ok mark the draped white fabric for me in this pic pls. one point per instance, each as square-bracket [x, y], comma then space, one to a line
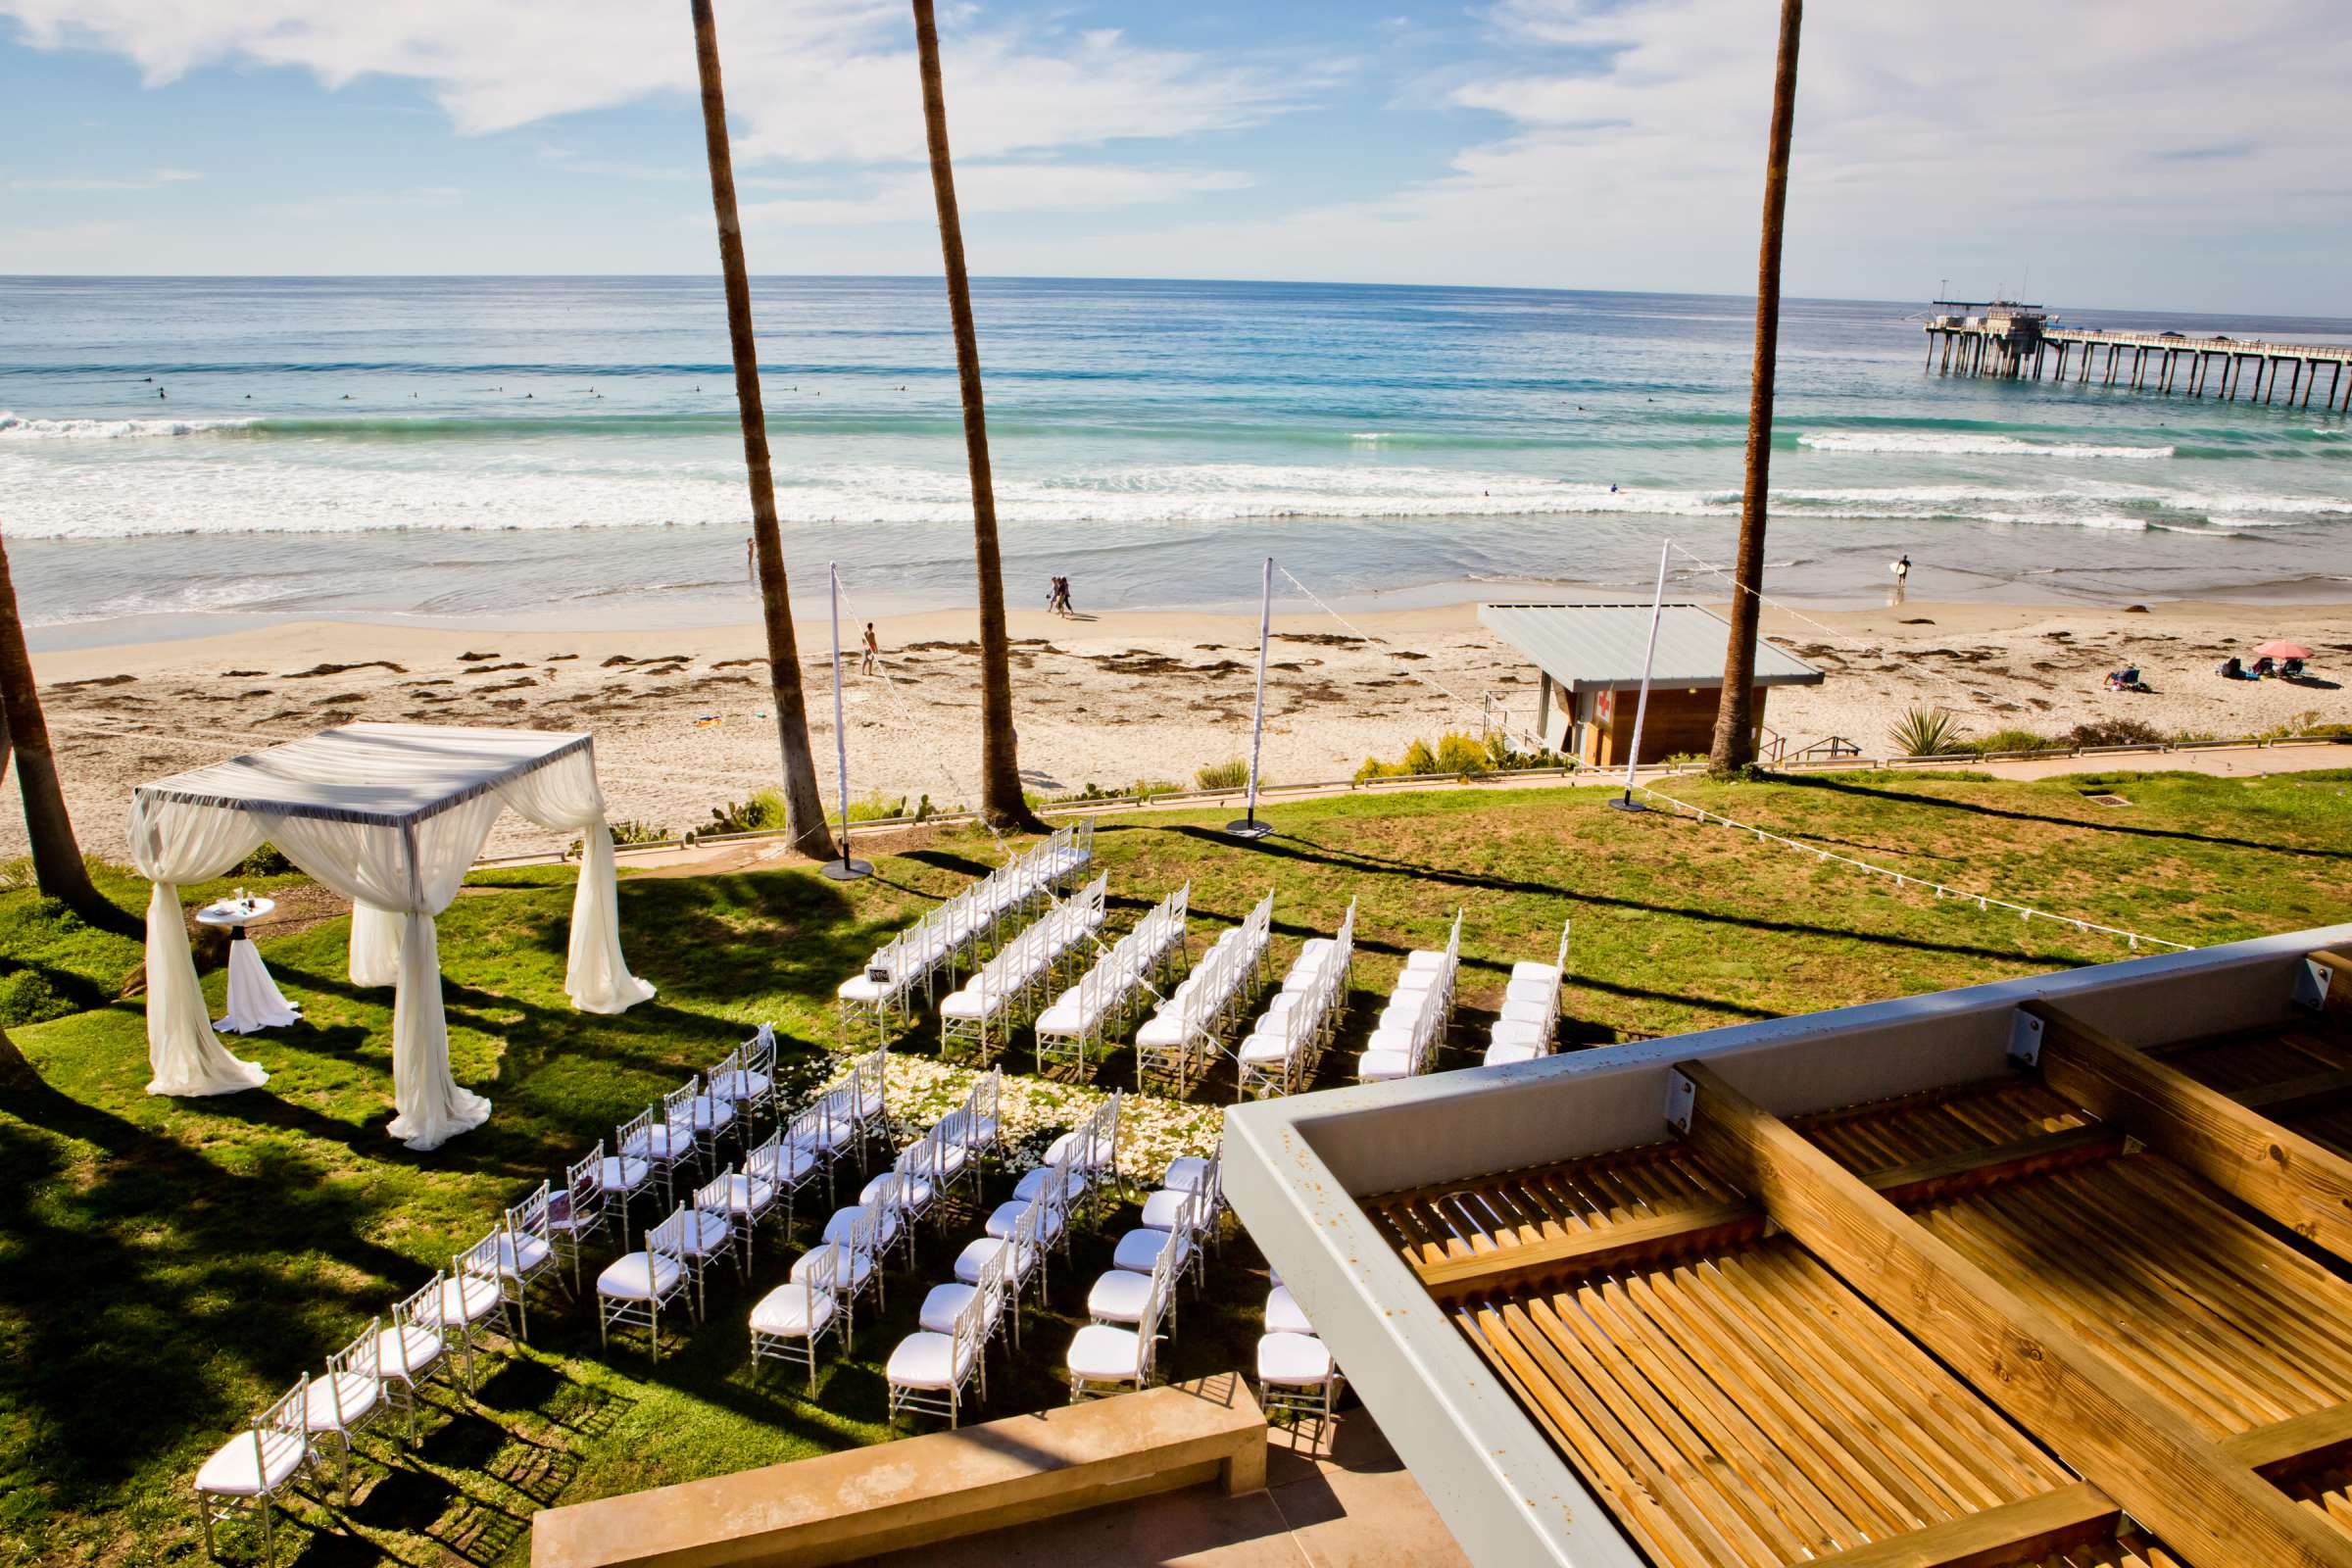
[374, 946]
[391, 816]
[563, 796]
[254, 1001]
[171, 844]
[413, 869]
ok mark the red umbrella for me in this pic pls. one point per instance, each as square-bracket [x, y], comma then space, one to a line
[2281, 648]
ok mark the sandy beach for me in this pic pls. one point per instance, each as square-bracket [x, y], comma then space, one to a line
[682, 723]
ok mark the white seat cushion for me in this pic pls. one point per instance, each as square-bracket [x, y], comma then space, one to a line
[858, 988]
[850, 1270]
[1093, 1155]
[844, 1220]
[619, 1175]
[410, 1351]
[967, 1004]
[944, 1302]
[928, 1362]
[1293, 1360]
[638, 1277]
[748, 1194]
[783, 1163]
[738, 1083]
[1500, 1054]
[1064, 1017]
[1534, 1013]
[1525, 969]
[1268, 1049]
[710, 1112]
[1002, 1218]
[1166, 1209]
[1511, 1032]
[1421, 958]
[1283, 1315]
[912, 1191]
[241, 1469]
[1138, 1250]
[658, 1144]
[1413, 981]
[1033, 1183]
[1118, 1296]
[705, 1233]
[1539, 991]
[793, 1312]
[976, 1254]
[464, 1298]
[1384, 1062]
[1104, 1353]
[336, 1402]
[1163, 1029]
[518, 1255]
[1186, 1173]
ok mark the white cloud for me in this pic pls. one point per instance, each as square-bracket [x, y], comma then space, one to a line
[70, 182]
[808, 79]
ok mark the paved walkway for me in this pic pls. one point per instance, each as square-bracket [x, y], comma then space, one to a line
[1354, 1507]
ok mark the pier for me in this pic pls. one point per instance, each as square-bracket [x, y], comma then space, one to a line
[2004, 338]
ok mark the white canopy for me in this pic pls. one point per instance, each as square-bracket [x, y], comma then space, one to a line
[389, 815]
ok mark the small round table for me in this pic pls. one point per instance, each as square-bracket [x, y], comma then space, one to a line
[254, 1001]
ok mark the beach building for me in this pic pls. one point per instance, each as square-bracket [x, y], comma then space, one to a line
[2055, 1265]
[1590, 659]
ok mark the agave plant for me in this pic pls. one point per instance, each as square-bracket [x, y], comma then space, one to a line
[1925, 732]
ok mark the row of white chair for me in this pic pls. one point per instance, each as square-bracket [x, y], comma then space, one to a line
[1529, 1026]
[1181, 1038]
[961, 928]
[1001, 994]
[1420, 1007]
[1084, 1014]
[1118, 1347]
[1296, 1374]
[1281, 1051]
[851, 1256]
[960, 1318]
[721, 1221]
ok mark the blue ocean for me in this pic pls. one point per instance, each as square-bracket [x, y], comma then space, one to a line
[182, 454]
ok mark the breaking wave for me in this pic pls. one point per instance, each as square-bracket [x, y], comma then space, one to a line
[1963, 443]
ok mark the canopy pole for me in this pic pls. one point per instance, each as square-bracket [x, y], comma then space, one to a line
[1649, 654]
[844, 869]
[1250, 827]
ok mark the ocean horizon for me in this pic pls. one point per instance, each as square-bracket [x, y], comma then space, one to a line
[182, 454]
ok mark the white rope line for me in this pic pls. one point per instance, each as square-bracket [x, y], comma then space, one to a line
[1404, 666]
[1983, 900]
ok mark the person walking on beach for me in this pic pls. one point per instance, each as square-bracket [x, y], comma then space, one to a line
[873, 651]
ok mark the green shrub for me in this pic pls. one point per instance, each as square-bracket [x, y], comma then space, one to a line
[761, 812]
[26, 997]
[1143, 789]
[876, 808]
[1925, 732]
[1459, 754]
[2011, 738]
[1231, 774]
[1419, 758]
[267, 860]
[2116, 732]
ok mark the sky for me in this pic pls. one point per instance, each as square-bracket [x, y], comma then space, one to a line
[2166, 153]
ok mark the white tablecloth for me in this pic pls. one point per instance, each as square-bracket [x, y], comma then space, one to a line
[254, 999]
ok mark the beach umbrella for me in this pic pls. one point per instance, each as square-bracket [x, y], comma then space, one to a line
[2281, 648]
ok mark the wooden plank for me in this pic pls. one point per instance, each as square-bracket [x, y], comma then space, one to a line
[2274, 1169]
[2209, 1507]
[1704, 1226]
[2296, 1096]
[2338, 999]
[2077, 1514]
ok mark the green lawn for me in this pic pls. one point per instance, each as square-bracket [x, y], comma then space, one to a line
[166, 1265]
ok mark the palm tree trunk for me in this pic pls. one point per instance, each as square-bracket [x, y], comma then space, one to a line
[56, 856]
[1736, 720]
[804, 810]
[1001, 798]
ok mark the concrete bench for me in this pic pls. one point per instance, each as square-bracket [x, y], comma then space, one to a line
[839, 1507]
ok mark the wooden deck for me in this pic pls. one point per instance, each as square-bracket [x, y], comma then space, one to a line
[1979, 1325]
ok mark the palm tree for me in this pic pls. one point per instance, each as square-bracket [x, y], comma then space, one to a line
[1736, 720]
[803, 810]
[56, 856]
[1001, 798]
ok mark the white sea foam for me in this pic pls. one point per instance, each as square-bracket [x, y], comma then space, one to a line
[17, 427]
[1969, 443]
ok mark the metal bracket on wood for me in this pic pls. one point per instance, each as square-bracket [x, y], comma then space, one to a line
[2310, 985]
[1682, 1096]
[2025, 1040]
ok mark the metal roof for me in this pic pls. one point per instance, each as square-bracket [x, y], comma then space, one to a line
[1600, 646]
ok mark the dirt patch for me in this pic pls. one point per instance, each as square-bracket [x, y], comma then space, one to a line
[1319, 639]
[731, 664]
[468, 658]
[97, 680]
[491, 669]
[317, 670]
